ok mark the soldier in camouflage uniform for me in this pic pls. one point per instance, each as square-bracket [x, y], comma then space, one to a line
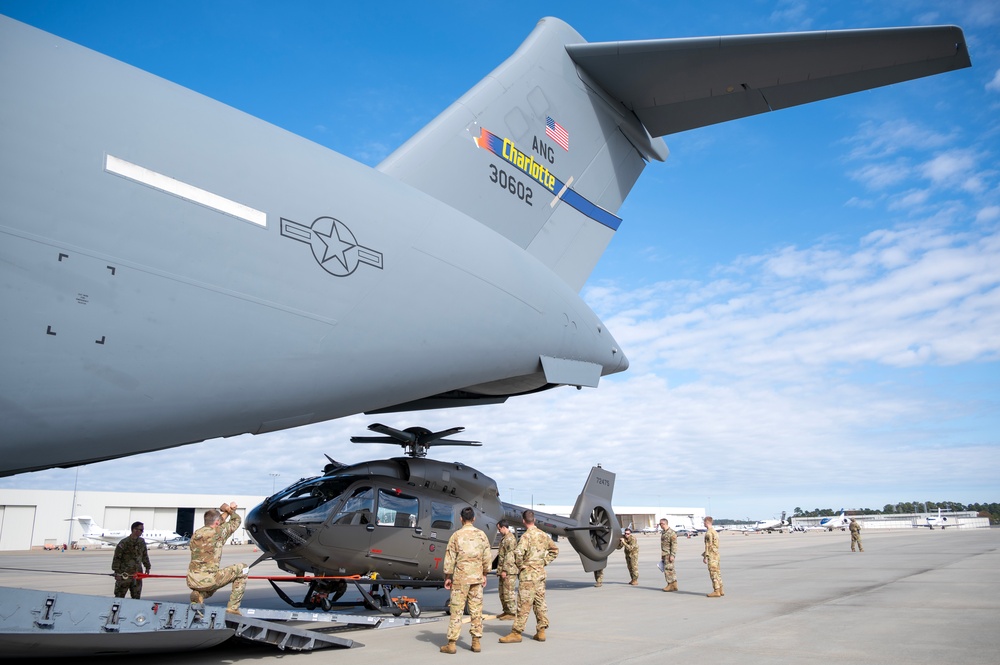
[534, 551]
[711, 557]
[856, 534]
[631, 546]
[204, 576]
[668, 552]
[130, 557]
[507, 571]
[467, 562]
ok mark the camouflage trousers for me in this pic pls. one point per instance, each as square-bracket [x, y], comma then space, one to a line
[856, 539]
[715, 573]
[668, 571]
[508, 594]
[633, 566]
[599, 577]
[131, 585]
[206, 584]
[460, 595]
[531, 595]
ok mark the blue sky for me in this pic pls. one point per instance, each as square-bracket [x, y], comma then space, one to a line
[810, 299]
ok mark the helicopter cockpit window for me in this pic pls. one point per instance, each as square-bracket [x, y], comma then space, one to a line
[396, 510]
[310, 502]
[358, 509]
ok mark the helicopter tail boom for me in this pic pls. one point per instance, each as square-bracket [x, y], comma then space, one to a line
[592, 528]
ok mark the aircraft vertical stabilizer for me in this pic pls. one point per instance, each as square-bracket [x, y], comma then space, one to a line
[564, 155]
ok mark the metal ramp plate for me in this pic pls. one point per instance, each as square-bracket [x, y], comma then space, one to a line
[353, 620]
[52, 624]
[284, 636]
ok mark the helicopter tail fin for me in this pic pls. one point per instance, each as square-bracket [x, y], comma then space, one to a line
[593, 508]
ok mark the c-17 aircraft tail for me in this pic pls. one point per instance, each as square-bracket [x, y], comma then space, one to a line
[155, 244]
[592, 528]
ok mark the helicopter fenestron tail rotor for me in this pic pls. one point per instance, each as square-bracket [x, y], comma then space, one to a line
[599, 531]
[416, 441]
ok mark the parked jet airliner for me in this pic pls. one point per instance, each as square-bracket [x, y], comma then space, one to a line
[941, 521]
[173, 270]
[838, 522]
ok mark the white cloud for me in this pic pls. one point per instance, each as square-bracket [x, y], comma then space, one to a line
[994, 84]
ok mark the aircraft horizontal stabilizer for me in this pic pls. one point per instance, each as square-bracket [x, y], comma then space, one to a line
[674, 85]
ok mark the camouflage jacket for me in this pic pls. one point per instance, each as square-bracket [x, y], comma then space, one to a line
[468, 557]
[206, 549]
[534, 551]
[130, 556]
[505, 557]
[855, 528]
[711, 544]
[630, 544]
[668, 543]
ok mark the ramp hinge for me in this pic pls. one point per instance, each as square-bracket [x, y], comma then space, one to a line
[112, 625]
[46, 618]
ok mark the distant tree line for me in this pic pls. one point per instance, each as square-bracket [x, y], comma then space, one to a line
[990, 510]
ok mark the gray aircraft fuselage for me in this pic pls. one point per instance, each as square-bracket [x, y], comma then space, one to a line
[143, 311]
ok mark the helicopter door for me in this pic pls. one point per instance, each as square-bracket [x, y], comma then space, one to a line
[350, 531]
[395, 544]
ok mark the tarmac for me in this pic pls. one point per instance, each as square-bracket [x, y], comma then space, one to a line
[912, 597]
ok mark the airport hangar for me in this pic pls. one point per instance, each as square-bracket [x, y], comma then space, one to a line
[37, 519]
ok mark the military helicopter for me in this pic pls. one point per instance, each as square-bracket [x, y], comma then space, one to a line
[384, 524]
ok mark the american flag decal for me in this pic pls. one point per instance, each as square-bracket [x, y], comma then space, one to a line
[556, 132]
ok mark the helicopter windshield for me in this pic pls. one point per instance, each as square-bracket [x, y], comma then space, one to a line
[312, 501]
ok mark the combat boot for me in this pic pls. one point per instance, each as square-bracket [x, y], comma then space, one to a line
[671, 587]
[506, 616]
[197, 598]
[475, 645]
[449, 648]
[512, 637]
[539, 635]
[715, 594]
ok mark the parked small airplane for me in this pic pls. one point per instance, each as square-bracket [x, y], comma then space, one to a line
[771, 526]
[689, 529]
[388, 521]
[838, 522]
[151, 237]
[176, 543]
[941, 521]
[95, 533]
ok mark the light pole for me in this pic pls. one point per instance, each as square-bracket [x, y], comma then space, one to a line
[72, 510]
[274, 478]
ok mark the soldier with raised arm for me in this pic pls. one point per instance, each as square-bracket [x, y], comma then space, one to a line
[204, 576]
[631, 546]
